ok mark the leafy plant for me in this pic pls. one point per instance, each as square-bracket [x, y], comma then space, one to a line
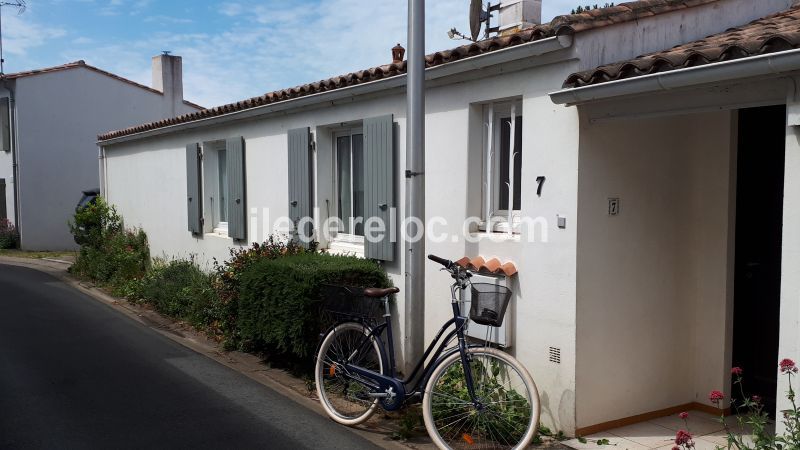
[229, 273]
[280, 300]
[8, 234]
[581, 9]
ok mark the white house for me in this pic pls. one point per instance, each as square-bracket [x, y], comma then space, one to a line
[49, 119]
[615, 226]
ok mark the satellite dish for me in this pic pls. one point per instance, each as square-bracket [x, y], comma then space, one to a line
[475, 18]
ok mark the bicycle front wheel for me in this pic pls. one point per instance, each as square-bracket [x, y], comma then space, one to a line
[506, 411]
[345, 396]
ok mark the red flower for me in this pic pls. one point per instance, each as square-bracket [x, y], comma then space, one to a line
[676, 448]
[737, 371]
[715, 396]
[756, 399]
[683, 438]
[788, 366]
[684, 415]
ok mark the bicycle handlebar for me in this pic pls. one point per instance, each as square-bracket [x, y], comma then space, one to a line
[445, 262]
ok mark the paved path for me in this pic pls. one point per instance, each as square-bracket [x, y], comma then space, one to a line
[75, 373]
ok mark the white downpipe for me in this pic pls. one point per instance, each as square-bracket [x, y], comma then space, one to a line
[489, 161]
[512, 154]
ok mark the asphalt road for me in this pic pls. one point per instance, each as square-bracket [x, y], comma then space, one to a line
[75, 373]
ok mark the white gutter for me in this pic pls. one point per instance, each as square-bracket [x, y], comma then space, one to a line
[770, 64]
[531, 49]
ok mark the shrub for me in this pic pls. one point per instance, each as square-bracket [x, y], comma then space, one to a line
[180, 289]
[8, 234]
[229, 273]
[279, 303]
[109, 254]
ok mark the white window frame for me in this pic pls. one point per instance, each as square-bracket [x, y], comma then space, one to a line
[494, 219]
[211, 192]
[344, 243]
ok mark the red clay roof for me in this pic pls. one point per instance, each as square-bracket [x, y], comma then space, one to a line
[566, 24]
[771, 34]
[493, 266]
[82, 63]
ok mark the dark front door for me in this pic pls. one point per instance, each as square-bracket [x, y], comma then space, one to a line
[759, 218]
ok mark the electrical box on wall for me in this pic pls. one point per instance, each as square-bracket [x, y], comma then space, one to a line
[613, 206]
[502, 335]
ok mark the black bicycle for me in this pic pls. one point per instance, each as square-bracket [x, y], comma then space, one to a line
[473, 396]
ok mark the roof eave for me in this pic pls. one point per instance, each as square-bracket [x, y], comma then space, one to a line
[750, 67]
[477, 62]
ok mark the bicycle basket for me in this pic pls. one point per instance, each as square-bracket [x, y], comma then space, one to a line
[348, 303]
[489, 303]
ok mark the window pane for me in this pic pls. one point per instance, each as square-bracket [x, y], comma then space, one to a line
[344, 181]
[502, 181]
[222, 164]
[358, 183]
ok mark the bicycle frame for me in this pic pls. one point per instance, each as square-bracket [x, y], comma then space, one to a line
[389, 387]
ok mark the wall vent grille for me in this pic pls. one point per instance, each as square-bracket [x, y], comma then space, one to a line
[555, 355]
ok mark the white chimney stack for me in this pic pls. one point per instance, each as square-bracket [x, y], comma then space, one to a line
[518, 14]
[168, 78]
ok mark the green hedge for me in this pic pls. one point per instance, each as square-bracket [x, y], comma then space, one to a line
[279, 299]
[180, 289]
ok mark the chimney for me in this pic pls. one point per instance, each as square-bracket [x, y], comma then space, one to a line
[398, 53]
[518, 14]
[168, 78]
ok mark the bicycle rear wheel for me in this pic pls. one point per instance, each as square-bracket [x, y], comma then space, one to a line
[507, 411]
[344, 396]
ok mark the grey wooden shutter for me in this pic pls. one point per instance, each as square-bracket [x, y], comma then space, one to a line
[379, 183]
[237, 201]
[300, 175]
[5, 125]
[3, 210]
[194, 199]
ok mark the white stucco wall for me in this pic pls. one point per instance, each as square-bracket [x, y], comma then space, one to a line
[7, 173]
[146, 181]
[653, 289]
[59, 116]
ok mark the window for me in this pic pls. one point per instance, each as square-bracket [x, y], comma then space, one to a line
[349, 164]
[215, 186]
[502, 166]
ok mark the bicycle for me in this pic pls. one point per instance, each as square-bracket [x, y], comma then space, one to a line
[473, 396]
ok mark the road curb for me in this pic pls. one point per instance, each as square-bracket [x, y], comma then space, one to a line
[375, 431]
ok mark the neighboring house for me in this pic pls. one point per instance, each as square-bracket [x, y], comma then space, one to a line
[49, 119]
[627, 310]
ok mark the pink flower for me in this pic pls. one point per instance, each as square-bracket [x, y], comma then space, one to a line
[737, 371]
[683, 438]
[715, 396]
[788, 366]
[676, 448]
[756, 399]
[684, 415]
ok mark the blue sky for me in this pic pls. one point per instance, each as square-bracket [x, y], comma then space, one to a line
[231, 50]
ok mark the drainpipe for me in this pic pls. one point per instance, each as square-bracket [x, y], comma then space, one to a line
[12, 126]
[415, 187]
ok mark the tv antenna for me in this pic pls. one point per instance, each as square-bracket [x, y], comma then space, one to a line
[20, 6]
[477, 17]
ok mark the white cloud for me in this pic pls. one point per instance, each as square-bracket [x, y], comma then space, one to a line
[281, 44]
[21, 34]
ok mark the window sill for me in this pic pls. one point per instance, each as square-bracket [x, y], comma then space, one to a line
[495, 236]
[346, 249]
[222, 234]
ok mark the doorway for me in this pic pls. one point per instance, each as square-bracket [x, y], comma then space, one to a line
[759, 225]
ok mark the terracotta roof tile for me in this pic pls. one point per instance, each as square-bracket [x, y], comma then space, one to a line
[82, 63]
[771, 34]
[566, 24]
[493, 266]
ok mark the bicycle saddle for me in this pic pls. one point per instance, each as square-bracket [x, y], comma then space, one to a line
[380, 293]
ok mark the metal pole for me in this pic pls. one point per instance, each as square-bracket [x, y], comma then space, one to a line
[414, 338]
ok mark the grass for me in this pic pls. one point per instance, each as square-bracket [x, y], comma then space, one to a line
[35, 255]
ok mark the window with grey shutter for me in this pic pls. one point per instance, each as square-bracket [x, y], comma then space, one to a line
[300, 176]
[193, 189]
[5, 125]
[379, 184]
[237, 201]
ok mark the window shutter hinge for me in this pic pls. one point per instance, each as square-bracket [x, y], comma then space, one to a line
[202, 221]
[410, 174]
